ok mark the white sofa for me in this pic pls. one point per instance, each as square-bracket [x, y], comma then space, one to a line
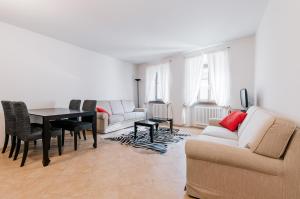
[259, 161]
[121, 114]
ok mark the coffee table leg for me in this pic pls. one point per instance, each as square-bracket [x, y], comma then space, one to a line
[135, 130]
[171, 126]
[156, 126]
[151, 133]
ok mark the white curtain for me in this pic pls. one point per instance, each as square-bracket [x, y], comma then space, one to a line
[218, 63]
[150, 83]
[193, 74]
[157, 78]
[163, 79]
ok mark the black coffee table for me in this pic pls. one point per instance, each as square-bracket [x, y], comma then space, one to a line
[146, 123]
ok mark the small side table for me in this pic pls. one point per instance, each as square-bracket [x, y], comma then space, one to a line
[146, 123]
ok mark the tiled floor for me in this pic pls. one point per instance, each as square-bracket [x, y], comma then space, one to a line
[110, 171]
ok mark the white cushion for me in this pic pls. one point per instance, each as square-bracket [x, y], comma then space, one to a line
[140, 115]
[128, 106]
[115, 119]
[207, 138]
[220, 132]
[130, 116]
[250, 113]
[116, 107]
[259, 123]
[105, 105]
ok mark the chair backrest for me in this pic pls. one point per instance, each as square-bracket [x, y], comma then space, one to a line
[23, 126]
[88, 105]
[75, 104]
[9, 117]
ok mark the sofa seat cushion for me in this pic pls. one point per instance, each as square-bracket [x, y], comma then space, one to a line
[220, 132]
[257, 126]
[115, 119]
[130, 116]
[135, 116]
[207, 138]
[128, 106]
[116, 107]
[105, 105]
[140, 115]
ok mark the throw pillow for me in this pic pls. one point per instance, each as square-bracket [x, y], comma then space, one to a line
[233, 120]
[101, 110]
[275, 140]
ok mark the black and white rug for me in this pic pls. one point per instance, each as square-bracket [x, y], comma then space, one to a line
[161, 138]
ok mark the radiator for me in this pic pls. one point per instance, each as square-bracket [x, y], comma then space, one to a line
[160, 110]
[201, 114]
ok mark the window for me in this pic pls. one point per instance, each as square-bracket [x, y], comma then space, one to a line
[205, 92]
[156, 86]
[157, 83]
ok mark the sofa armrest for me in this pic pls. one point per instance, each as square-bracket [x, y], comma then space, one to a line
[214, 122]
[102, 116]
[102, 122]
[140, 110]
[232, 156]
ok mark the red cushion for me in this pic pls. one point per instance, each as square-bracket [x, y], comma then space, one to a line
[233, 120]
[102, 110]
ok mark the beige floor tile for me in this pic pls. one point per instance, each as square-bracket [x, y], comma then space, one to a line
[112, 171]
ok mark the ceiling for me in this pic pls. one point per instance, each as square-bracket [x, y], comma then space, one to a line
[137, 31]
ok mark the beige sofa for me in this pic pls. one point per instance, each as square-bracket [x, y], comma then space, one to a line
[122, 114]
[259, 161]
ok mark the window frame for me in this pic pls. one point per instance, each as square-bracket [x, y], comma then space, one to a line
[209, 100]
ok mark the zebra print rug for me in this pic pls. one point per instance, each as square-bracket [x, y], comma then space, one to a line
[161, 138]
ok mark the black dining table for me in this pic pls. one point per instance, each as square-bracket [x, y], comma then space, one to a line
[51, 114]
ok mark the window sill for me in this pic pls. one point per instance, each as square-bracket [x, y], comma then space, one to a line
[206, 103]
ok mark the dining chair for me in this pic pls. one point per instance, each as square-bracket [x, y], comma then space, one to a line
[86, 122]
[74, 105]
[10, 126]
[27, 132]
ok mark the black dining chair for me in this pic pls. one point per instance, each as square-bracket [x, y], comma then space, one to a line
[10, 126]
[73, 105]
[27, 132]
[86, 122]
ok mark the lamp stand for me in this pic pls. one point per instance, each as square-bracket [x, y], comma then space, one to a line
[138, 92]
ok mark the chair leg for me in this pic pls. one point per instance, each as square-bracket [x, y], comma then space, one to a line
[63, 137]
[35, 142]
[17, 149]
[71, 133]
[5, 143]
[79, 136]
[84, 135]
[13, 145]
[75, 140]
[59, 144]
[26, 145]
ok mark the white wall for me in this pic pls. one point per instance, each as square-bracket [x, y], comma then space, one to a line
[277, 69]
[45, 72]
[242, 74]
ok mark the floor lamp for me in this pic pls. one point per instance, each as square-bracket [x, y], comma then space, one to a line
[138, 92]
